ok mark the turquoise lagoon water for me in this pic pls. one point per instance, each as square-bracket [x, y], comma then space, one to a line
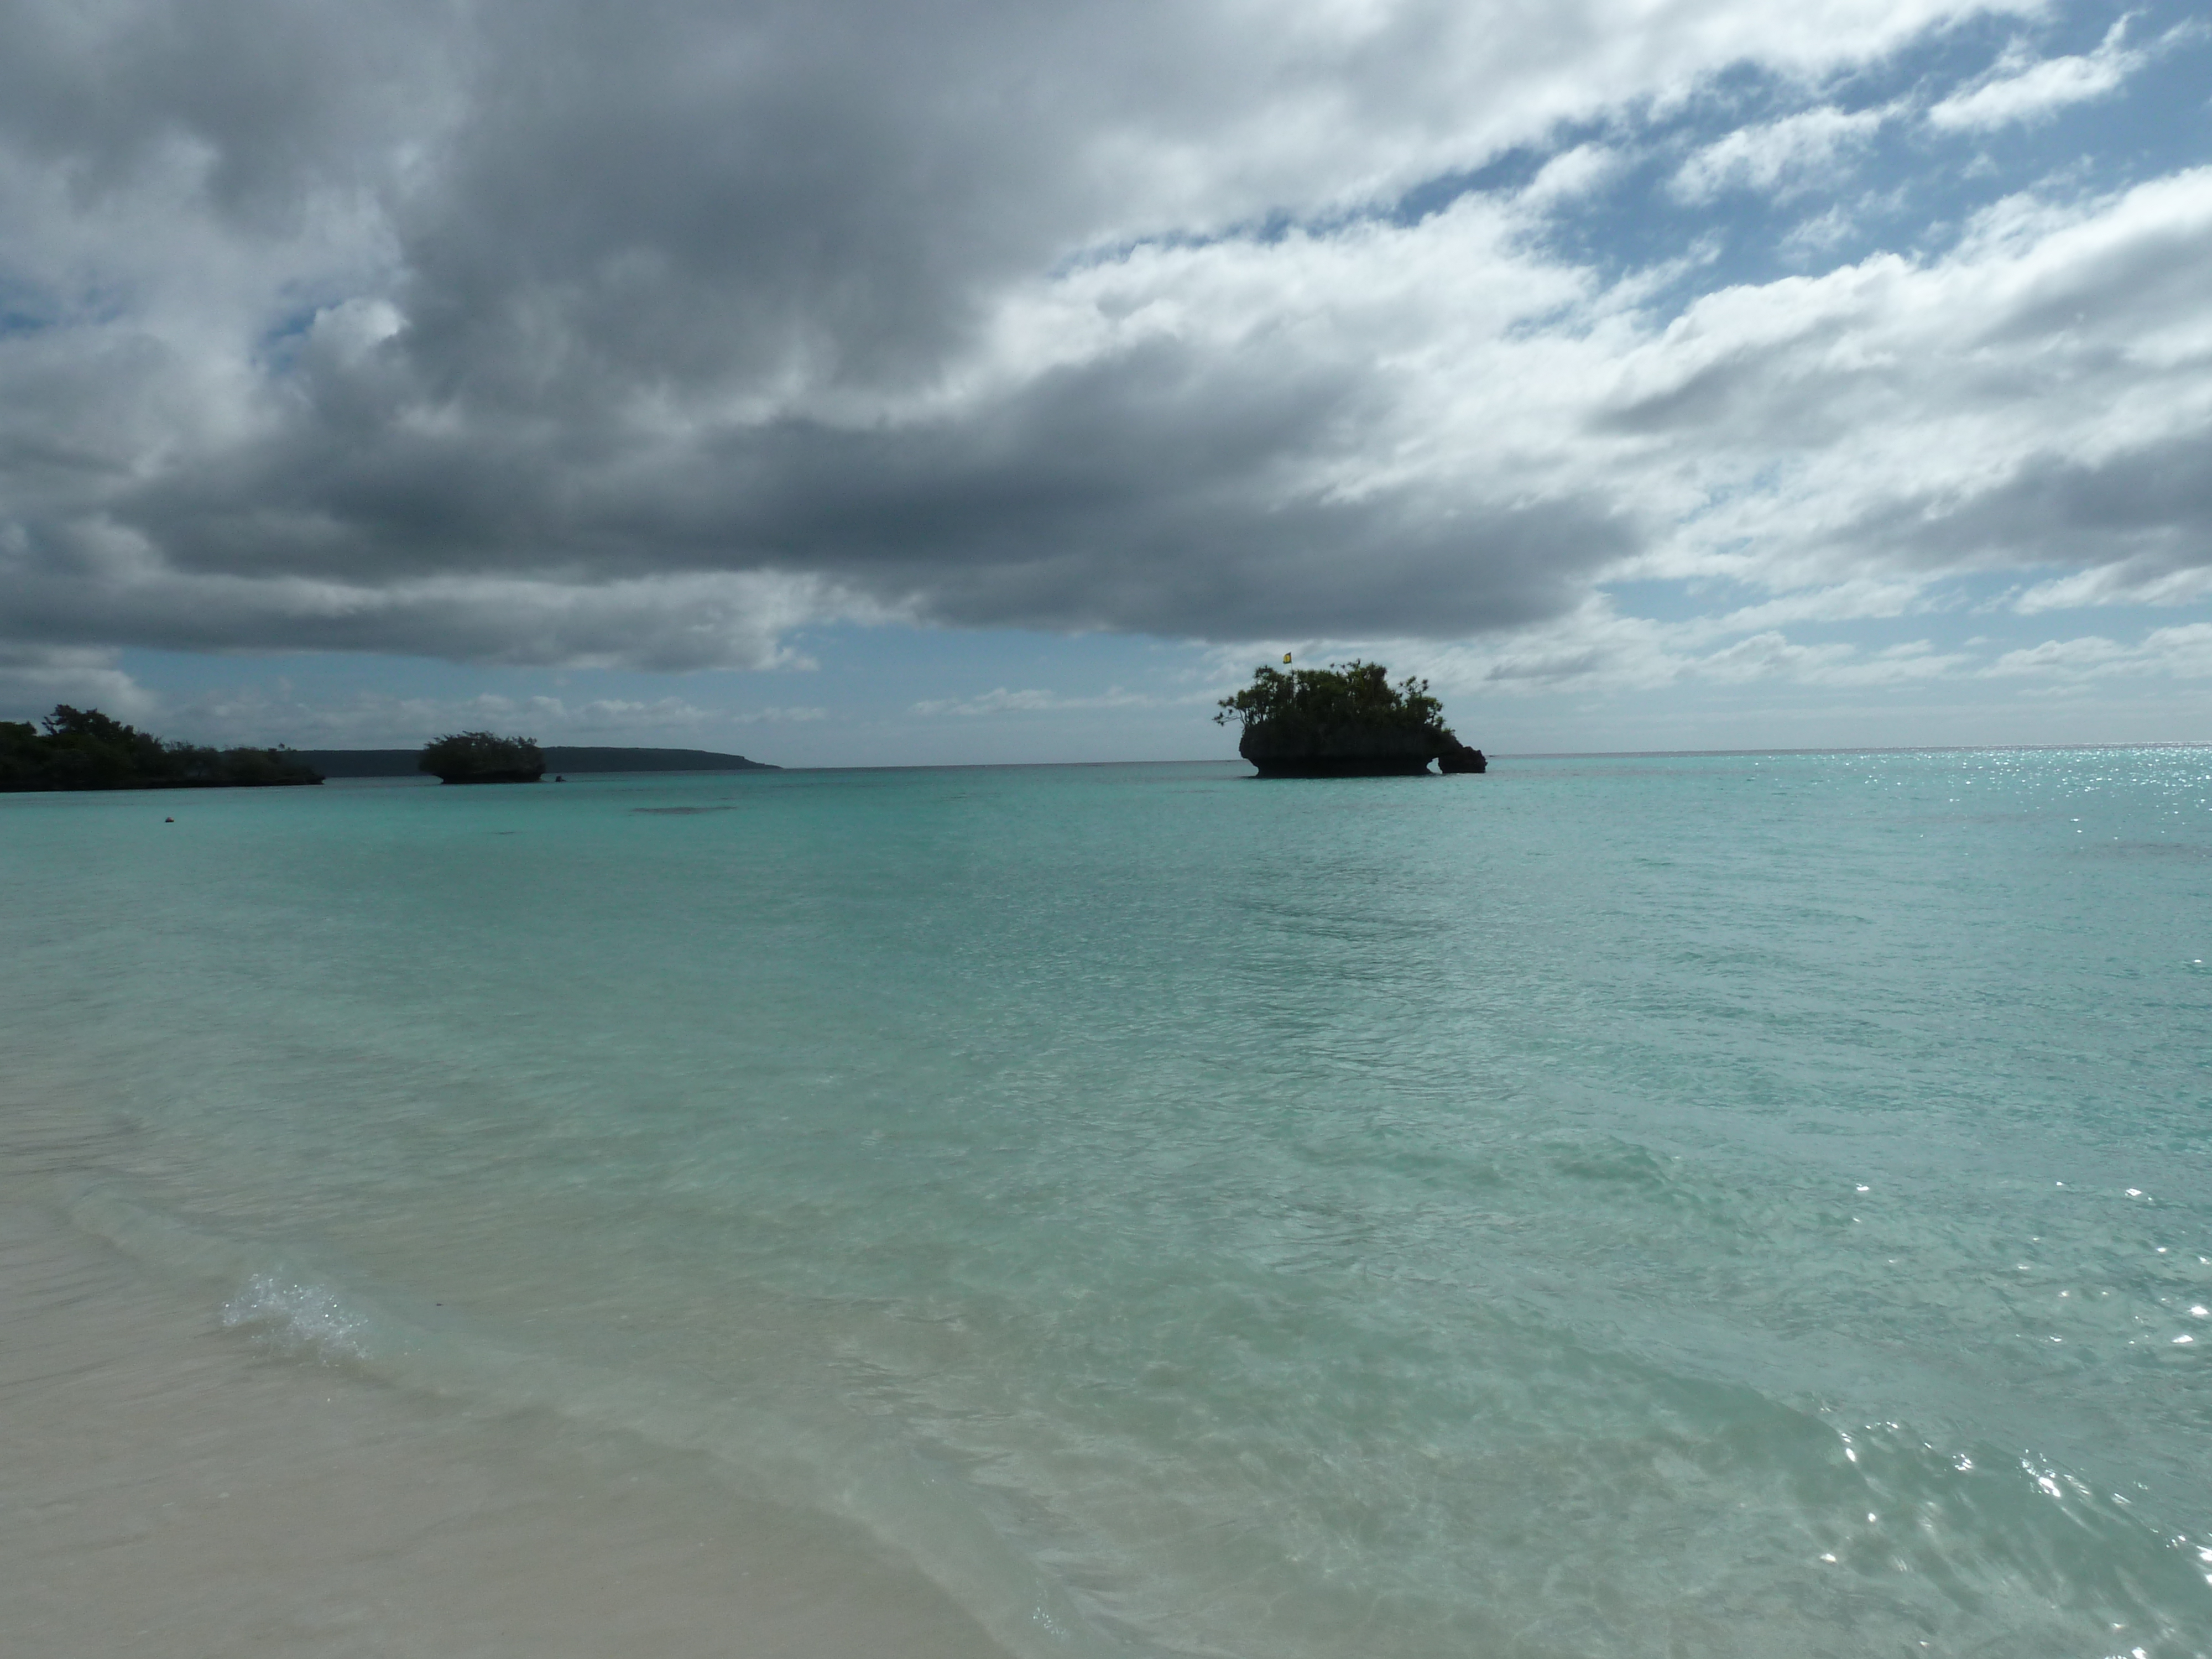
[1748, 1205]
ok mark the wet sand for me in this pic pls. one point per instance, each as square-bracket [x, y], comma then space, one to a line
[168, 1488]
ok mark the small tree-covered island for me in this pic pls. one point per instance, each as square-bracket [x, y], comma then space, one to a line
[1345, 721]
[84, 749]
[483, 757]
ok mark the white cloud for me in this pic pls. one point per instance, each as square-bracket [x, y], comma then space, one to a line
[2181, 652]
[2118, 584]
[1794, 153]
[1572, 173]
[2019, 89]
[1851, 601]
[1620, 655]
[1818, 234]
[2032, 397]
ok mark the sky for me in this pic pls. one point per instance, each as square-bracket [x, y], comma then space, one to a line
[851, 383]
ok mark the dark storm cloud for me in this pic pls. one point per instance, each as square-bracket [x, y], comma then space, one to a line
[587, 294]
[2150, 506]
[278, 100]
[2136, 527]
[1144, 494]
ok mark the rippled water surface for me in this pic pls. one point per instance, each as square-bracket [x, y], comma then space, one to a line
[1707, 1206]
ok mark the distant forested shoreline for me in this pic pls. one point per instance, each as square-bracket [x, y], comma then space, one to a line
[84, 749]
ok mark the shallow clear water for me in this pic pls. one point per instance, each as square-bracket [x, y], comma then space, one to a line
[1715, 1205]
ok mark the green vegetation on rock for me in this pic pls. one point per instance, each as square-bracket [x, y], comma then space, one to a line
[483, 757]
[84, 749]
[1354, 693]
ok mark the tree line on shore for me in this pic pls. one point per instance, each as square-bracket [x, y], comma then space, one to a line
[84, 749]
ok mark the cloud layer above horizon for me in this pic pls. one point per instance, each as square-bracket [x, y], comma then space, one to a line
[640, 337]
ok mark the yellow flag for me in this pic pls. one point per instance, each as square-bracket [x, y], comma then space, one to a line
[1287, 656]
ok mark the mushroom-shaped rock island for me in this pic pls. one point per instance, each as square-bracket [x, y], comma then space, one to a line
[483, 757]
[1345, 721]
